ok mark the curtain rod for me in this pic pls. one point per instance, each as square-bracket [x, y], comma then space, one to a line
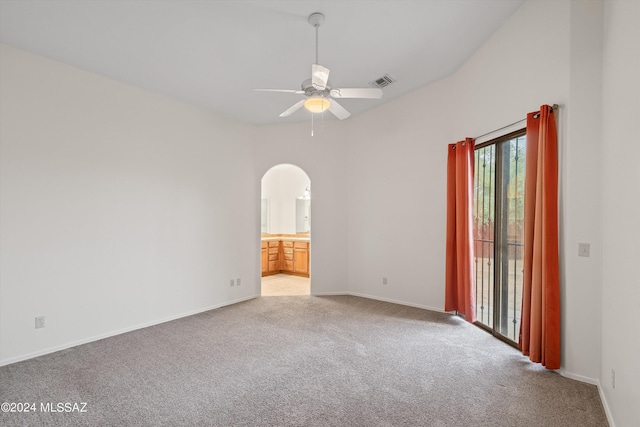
[553, 108]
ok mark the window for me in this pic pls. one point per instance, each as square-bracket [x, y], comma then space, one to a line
[498, 217]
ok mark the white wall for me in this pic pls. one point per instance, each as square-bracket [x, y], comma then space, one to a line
[281, 186]
[323, 158]
[524, 65]
[397, 198]
[621, 210]
[397, 165]
[582, 194]
[118, 201]
[119, 207]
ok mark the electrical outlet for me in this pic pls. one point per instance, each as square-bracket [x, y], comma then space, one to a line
[613, 378]
[231, 283]
[384, 280]
[238, 281]
[583, 249]
[39, 322]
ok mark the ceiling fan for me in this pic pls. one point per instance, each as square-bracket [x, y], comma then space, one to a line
[319, 94]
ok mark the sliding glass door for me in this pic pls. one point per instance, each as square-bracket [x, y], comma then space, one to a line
[498, 214]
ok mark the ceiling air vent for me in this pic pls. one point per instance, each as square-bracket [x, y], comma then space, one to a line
[383, 81]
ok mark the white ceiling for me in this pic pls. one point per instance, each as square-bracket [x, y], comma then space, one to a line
[213, 53]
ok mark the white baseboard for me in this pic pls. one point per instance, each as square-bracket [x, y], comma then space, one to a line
[393, 301]
[595, 382]
[580, 378]
[607, 411]
[329, 294]
[424, 307]
[9, 361]
[118, 332]
[562, 372]
[186, 314]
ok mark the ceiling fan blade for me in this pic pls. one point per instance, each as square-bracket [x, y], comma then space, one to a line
[280, 90]
[293, 108]
[369, 93]
[338, 110]
[319, 76]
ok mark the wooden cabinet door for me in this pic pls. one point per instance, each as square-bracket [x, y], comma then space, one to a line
[274, 266]
[287, 258]
[301, 260]
[274, 257]
[265, 260]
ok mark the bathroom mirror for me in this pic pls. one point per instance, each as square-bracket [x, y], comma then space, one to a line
[303, 214]
[264, 215]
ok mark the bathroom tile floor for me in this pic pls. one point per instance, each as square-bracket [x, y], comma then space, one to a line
[284, 284]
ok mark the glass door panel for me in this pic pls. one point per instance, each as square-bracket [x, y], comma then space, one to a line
[498, 234]
[483, 227]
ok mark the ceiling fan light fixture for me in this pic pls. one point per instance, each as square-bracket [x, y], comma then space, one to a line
[317, 104]
[319, 94]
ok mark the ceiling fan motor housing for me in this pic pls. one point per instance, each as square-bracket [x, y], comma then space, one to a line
[310, 90]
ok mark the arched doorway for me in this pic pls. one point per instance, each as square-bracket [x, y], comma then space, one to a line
[285, 231]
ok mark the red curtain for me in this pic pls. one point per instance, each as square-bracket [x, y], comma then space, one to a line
[540, 325]
[459, 290]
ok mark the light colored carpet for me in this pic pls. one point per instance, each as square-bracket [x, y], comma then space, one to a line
[301, 361]
[284, 285]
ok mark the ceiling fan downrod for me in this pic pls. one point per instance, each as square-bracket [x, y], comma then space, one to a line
[316, 19]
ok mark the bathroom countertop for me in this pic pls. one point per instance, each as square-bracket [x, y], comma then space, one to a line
[294, 239]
